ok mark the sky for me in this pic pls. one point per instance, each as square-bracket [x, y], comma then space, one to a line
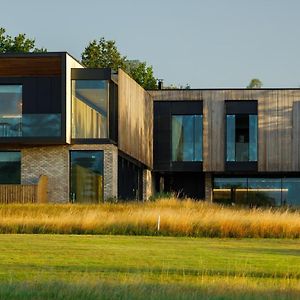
[203, 43]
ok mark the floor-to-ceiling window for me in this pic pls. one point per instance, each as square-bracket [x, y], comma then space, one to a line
[90, 109]
[241, 137]
[186, 137]
[86, 176]
[258, 191]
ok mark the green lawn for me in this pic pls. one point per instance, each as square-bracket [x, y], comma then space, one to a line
[129, 267]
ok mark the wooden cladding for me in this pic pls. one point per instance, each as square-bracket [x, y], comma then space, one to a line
[135, 126]
[25, 193]
[30, 66]
[278, 125]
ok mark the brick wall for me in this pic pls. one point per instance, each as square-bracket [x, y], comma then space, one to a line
[53, 161]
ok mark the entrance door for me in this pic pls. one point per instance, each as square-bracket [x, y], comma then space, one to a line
[86, 176]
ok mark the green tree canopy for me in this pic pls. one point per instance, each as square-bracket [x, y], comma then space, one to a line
[255, 83]
[105, 54]
[141, 73]
[17, 44]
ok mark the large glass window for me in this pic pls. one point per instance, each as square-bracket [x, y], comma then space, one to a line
[86, 176]
[13, 123]
[230, 190]
[291, 191]
[90, 109]
[187, 137]
[257, 191]
[264, 191]
[241, 137]
[10, 110]
[10, 167]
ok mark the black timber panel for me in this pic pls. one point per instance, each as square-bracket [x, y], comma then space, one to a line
[40, 94]
[162, 134]
[234, 107]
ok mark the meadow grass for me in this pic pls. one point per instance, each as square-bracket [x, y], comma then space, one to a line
[177, 218]
[128, 267]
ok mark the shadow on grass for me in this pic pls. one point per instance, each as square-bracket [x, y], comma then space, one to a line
[140, 290]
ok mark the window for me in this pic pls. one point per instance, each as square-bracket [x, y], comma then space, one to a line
[10, 167]
[10, 110]
[187, 137]
[241, 138]
[13, 123]
[90, 109]
[86, 176]
[257, 191]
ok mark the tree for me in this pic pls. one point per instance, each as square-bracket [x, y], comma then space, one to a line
[17, 44]
[103, 54]
[254, 84]
[141, 73]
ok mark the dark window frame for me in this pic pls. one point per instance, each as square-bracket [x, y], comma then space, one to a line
[20, 165]
[194, 136]
[70, 170]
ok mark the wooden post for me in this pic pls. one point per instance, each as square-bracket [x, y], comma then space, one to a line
[42, 189]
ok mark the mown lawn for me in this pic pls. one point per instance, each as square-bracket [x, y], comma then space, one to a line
[137, 267]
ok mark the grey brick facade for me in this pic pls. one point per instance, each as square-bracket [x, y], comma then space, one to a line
[54, 162]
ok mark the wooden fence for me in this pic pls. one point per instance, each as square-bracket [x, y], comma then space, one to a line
[25, 193]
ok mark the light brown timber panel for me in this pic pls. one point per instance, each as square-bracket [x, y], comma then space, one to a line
[135, 110]
[70, 63]
[18, 193]
[278, 125]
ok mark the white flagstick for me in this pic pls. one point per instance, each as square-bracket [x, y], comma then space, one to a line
[158, 223]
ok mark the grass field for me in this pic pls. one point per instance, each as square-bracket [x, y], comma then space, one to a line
[128, 267]
[177, 218]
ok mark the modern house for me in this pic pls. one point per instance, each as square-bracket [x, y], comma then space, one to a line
[239, 146]
[88, 130]
[98, 135]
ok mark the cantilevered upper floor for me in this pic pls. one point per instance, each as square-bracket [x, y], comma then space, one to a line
[50, 98]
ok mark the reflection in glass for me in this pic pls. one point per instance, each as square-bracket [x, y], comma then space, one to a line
[86, 176]
[257, 191]
[253, 138]
[230, 124]
[242, 138]
[241, 141]
[10, 110]
[291, 191]
[187, 137]
[230, 190]
[264, 191]
[10, 167]
[89, 108]
[41, 125]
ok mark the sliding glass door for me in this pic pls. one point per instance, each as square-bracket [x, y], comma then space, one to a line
[86, 176]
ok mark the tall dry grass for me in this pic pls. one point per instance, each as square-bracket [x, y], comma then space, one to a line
[177, 218]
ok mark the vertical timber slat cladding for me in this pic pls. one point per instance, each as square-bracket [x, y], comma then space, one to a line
[24, 66]
[70, 63]
[296, 133]
[135, 115]
[278, 125]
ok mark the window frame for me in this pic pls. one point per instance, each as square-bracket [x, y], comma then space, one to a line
[194, 136]
[20, 166]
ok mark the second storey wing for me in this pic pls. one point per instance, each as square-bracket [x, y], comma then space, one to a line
[241, 129]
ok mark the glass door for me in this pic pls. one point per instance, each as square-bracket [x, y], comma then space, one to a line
[86, 176]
